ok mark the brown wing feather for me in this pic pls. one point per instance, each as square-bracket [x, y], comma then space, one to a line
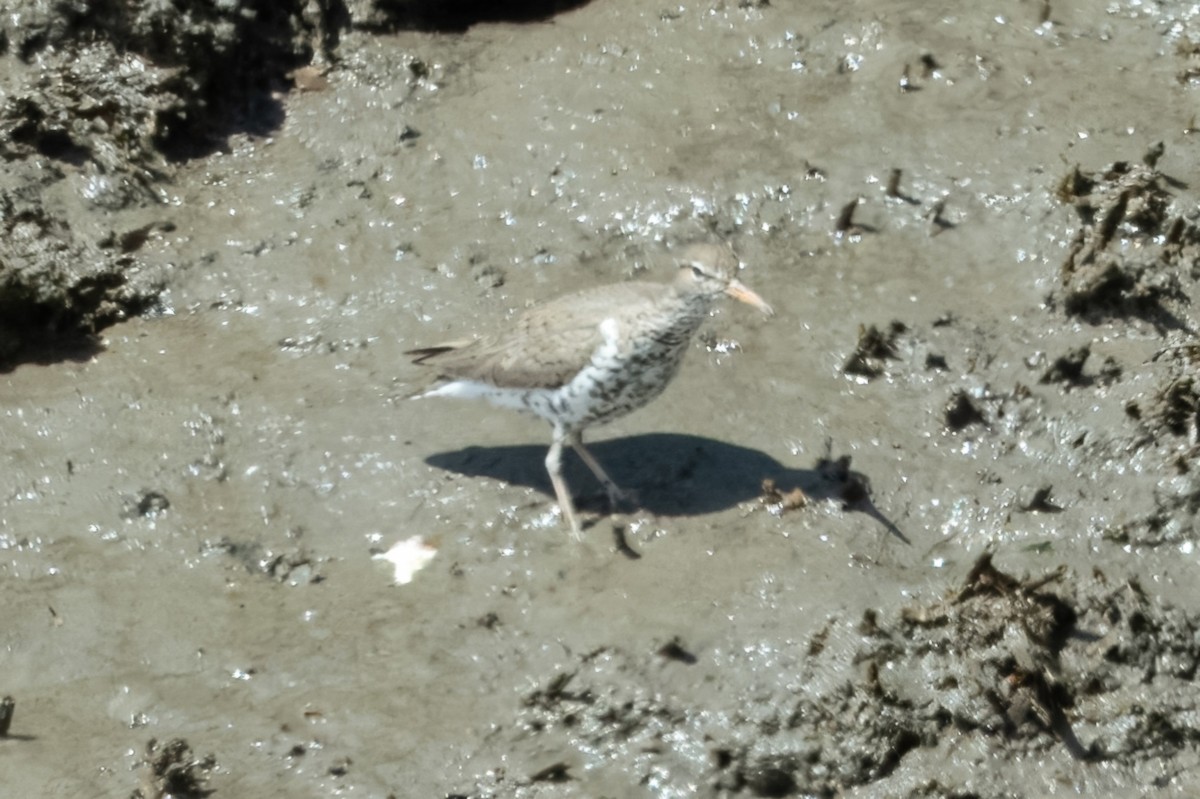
[549, 344]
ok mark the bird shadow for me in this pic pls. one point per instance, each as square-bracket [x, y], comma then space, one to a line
[674, 475]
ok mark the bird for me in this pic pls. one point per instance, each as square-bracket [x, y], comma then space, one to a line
[590, 357]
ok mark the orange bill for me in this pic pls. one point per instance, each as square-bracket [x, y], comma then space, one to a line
[738, 291]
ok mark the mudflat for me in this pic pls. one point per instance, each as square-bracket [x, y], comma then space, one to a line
[929, 531]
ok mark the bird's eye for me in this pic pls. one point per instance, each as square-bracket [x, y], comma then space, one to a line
[697, 271]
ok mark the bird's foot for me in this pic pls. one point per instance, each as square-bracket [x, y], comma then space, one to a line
[621, 497]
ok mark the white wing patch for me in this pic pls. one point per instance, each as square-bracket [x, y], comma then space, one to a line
[610, 330]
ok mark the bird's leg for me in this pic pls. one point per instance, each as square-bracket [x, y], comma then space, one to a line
[616, 494]
[554, 467]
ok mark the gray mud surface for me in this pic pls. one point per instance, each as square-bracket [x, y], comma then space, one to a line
[931, 531]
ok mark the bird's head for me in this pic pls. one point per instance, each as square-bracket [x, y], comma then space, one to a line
[708, 270]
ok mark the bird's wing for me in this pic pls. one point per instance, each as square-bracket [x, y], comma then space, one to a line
[549, 344]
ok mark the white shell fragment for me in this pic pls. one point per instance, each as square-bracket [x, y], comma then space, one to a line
[408, 557]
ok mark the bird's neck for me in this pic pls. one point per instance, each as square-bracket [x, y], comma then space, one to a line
[690, 310]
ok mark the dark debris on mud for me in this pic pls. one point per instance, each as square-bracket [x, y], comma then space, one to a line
[1166, 421]
[291, 563]
[1103, 672]
[874, 349]
[171, 769]
[106, 96]
[1132, 253]
[54, 282]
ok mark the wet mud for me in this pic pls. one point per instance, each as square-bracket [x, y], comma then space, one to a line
[928, 532]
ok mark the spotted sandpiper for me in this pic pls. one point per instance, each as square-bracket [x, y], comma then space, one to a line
[590, 357]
